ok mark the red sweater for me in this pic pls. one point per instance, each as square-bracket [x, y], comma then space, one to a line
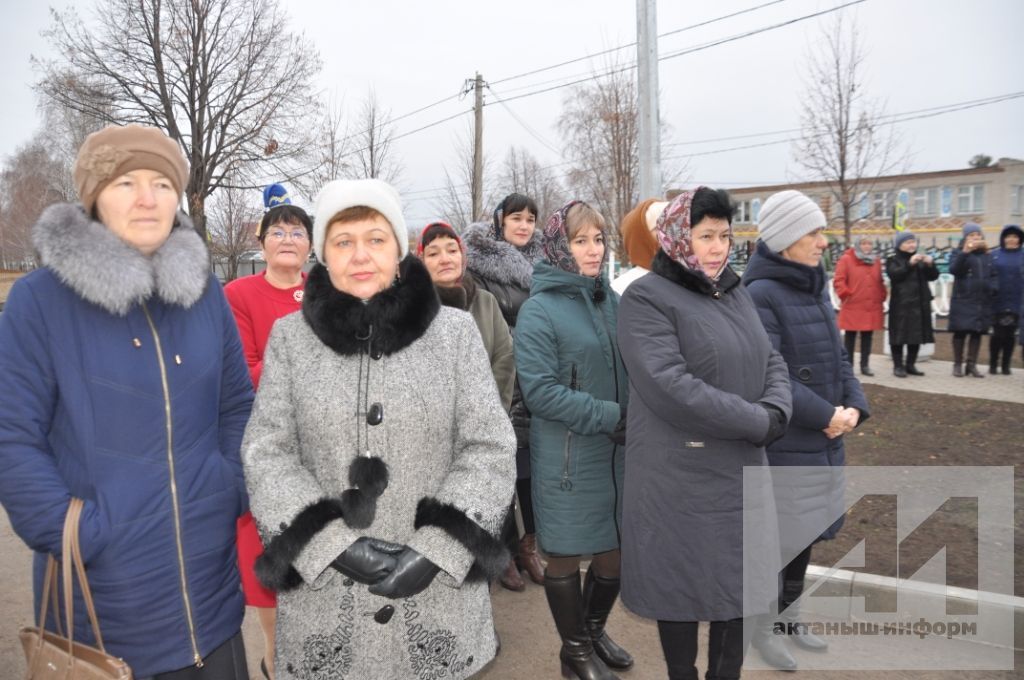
[257, 305]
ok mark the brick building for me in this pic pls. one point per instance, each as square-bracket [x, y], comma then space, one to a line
[937, 203]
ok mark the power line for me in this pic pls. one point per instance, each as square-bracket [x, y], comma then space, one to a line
[521, 122]
[633, 44]
[892, 119]
[691, 50]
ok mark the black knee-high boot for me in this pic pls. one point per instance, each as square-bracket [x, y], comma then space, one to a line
[727, 645]
[679, 644]
[599, 595]
[958, 354]
[897, 361]
[865, 353]
[850, 343]
[973, 347]
[565, 599]
[792, 588]
[912, 351]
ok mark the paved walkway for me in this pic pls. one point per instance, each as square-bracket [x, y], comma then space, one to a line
[939, 379]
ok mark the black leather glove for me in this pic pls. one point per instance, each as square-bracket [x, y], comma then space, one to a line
[368, 560]
[412, 576]
[776, 424]
[618, 435]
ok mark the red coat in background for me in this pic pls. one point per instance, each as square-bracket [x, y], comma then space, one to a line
[861, 292]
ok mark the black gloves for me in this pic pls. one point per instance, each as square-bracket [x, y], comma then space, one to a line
[412, 574]
[776, 424]
[368, 560]
[618, 435]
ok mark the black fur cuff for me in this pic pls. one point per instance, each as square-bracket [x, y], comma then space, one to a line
[274, 567]
[491, 557]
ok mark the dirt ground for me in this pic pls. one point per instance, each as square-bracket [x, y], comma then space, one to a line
[919, 428]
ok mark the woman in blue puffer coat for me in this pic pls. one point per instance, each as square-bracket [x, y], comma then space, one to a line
[1008, 262]
[787, 283]
[123, 383]
[970, 306]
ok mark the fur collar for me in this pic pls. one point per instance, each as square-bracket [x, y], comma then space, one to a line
[461, 296]
[104, 270]
[501, 261]
[698, 282]
[390, 321]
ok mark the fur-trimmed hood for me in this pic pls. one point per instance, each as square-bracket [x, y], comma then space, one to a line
[389, 321]
[105, 270]
[498, 260]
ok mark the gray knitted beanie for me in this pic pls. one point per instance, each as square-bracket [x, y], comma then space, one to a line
[786, 217]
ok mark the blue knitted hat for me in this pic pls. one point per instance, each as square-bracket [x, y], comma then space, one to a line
[971, 228]
[901, 237]
[275, 195]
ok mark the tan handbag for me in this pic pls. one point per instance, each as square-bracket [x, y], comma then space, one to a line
[52, 656]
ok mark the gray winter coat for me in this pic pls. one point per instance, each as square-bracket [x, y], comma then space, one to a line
[448, 446]
[699, 363]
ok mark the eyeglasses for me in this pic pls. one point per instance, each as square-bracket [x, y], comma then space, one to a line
[279, 234]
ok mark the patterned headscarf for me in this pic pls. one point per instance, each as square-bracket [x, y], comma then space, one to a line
[556, 241]
[674, 234]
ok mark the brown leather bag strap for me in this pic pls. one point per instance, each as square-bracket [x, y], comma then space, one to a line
[70, 520]
[83, 582]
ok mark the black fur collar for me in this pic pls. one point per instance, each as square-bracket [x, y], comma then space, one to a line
[390, 321]
[698, 282]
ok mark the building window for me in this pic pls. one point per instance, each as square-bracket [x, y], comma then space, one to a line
[755, 210]
[1017, 200]
[882, 204]
[925, 202]
[863, 205]
[742, 215]
[970, 199]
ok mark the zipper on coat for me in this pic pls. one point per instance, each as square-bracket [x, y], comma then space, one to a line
[566, 484]
[196, 658]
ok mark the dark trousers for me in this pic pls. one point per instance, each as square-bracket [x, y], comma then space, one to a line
[510, 533]
[227, 662]
[897, 354]
[850, 340]
[727, 644]
[1001, 346]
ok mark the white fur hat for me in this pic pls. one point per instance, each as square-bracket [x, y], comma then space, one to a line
[348, 193]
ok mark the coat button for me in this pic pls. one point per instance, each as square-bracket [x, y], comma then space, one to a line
[375, 416]
[717, 294]
[384, 614]
[804, 373]
[377, 353]
[348, 583]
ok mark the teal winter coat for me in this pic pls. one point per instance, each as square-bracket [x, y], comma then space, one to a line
[573, 382]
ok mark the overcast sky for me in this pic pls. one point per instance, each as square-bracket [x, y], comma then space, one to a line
[921, 54]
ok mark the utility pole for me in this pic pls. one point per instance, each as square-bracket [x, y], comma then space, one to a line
[478, 150]
[647, 89]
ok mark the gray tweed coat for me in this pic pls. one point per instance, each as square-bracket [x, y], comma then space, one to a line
[448, 446]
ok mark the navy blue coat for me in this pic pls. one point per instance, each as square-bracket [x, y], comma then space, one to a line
[1009, 267]
[974, 290]
[89, 410]
[796, 312]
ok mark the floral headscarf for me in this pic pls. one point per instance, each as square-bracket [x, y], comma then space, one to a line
[674, 234]
[556, 241]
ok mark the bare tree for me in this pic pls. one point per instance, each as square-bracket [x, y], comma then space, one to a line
[232, 233]
[373, 140]
[523, 173]
[844, 142]
[599, 125]
[31, 180]
[225, 78]
[456, 201]
[330, 152]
